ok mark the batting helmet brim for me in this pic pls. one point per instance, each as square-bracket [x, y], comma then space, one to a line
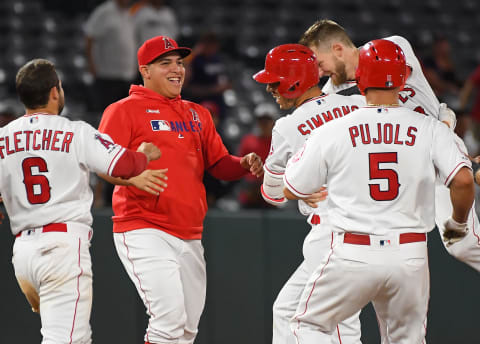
[265, 77]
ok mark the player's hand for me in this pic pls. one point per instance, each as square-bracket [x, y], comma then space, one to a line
[151, 181]
[313, 199]
[150, 150]
[252, 162]
[454, 231]
[447, 116]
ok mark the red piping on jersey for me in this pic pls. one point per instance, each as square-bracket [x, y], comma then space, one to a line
[271, 172]
[130, 164]
[301, 193]
[114, 159]
[313, 288]
[315, 98]
[39, 113]
[455, 169]
[338, 333]
[78, 291]
[473, 226]
[276, 200]
[428, 302]
[139, 282]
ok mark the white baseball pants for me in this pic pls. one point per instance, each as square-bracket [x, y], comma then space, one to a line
[393, 276]
[54, 271]
[170, 277]
[316, 246]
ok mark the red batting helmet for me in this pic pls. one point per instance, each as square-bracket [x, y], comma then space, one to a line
[294, 66]
[382, 65]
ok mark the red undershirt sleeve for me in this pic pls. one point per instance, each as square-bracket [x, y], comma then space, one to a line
[130, 164]
[228, 168]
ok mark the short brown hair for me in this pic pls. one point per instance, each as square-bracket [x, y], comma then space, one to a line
[34, 81]
[325, 31]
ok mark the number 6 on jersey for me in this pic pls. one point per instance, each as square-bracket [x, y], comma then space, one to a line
[37, 186]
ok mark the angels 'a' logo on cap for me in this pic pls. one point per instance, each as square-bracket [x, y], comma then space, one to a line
[168, 44]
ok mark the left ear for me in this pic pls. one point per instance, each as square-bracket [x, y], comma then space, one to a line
[54, 93]
[144, 71]
[337, 50]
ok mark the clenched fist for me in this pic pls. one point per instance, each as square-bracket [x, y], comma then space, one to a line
[150, 150]
[253, 163]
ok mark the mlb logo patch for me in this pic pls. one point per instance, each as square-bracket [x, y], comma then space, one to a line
[385, 242]
[160, 125]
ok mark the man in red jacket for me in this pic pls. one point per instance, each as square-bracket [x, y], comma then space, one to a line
[157, 230]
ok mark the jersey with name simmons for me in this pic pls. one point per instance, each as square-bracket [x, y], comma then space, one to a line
[290, 132]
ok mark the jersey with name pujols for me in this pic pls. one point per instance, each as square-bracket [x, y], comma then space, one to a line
[381, 172]
[44, 169]
[290, 132]
[417, 93]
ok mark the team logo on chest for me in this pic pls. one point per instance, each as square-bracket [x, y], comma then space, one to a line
[160, 125]
[195, 116]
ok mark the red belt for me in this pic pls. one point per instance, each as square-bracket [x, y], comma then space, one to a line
[52, 227]
[364, 239]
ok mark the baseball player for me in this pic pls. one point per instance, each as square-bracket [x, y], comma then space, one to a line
[45, 161]
[338, 58]
[158, 235]
[292, 77]
[380, 166]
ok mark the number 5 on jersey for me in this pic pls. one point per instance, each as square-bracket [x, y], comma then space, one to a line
[374, 160]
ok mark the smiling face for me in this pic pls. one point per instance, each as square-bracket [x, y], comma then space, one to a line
[330, 65]
[165, 75]
[284, 103]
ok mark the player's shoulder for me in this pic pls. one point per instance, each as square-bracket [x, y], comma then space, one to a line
[349, 87]
[122, 106]
[399, 40]
[340, 99]
[283, 123]
[196, 109]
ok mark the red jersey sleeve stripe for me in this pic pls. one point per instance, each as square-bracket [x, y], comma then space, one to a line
[454, 172]
[295, 191]
[271, 172]
[275, 200]
[115, 160]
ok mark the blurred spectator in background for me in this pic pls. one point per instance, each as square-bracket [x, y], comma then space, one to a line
[153, 18]
[259, 142]
[440, 72]
[7, 114]
[471, 86]
[111, 53]
[215, 188]
[207, 74]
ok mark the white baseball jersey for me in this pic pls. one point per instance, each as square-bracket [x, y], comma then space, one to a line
[380, 168]
[44, 169]
[417, 93]
[290, 133]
